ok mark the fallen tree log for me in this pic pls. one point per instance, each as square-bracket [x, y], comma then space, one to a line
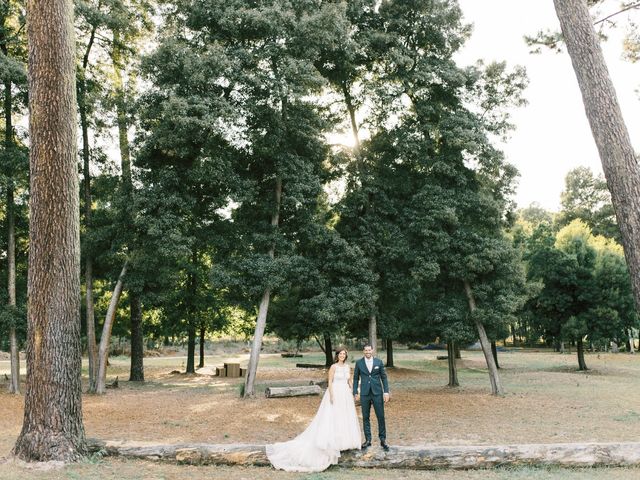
[415, 457]
[278, 392]
[322, 383]
[310, 365]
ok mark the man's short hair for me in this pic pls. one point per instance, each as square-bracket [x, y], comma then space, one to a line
[367, 345]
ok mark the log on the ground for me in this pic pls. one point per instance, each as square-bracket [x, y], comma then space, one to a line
[310, 365]
[278, 392]
[194, 454]
[322, 383]
[442, 357]
[415, 457]
[290, 355]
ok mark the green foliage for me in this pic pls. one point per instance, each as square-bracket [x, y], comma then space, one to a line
[586, 197]
[586, 292]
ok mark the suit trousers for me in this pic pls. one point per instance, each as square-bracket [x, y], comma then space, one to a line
[378, 406]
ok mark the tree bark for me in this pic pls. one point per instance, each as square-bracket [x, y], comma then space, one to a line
[203, 332]
[92, 351]
[609, 130]
[191, 348]
[103, 353]
[494, 376]
[136, 373]
[451, 360]
[261, 321]
[373, 332]
[581, 363]
[390, 363]
[328, 350]
[52, 427]
[494, 352]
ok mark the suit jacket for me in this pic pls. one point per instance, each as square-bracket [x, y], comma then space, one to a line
[371, 383]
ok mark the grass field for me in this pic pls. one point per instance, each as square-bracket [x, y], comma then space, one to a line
[547, 401]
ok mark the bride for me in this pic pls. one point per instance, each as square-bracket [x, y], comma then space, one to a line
[334, 428]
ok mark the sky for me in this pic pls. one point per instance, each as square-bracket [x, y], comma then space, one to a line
[552, 134]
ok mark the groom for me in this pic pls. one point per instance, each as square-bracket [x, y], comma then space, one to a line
[374, 389]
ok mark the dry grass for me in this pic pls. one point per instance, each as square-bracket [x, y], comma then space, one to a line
[546, 401]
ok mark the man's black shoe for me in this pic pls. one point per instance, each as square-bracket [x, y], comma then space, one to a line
[366, 444]
[384, 446]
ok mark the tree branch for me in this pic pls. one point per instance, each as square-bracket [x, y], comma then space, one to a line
[628, 7]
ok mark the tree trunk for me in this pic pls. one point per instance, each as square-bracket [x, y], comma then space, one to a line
[581, 363]
[631, 342]
[92, 351]
[103, 353]
[390, 363]
[373, 332]
[328, 350]
[494, 352]
[609, 131]
[136, 373]
[352, 114]
[203, 332]
[52, 427]
[14, 385]
[451, 360]
[261, 321]
[494, 376]
[512, 327]
[191, 349]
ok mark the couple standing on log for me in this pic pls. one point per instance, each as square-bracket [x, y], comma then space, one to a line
[335, 426]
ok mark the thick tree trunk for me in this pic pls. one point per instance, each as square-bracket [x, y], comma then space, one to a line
[390, 363]
[328, 350]
[494, 376]
[418, 457]
[581, 363]
[136, 373]
[52, 427]
[607, 126]
[203, 332]
[103, 353]
[494, 352]
[373, 332]
[92, 350]
[191, 349]
[453, 369]
[261, 321]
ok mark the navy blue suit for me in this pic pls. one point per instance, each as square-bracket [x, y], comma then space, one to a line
[372, 386]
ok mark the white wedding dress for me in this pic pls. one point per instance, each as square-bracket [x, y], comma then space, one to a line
[334, 428]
